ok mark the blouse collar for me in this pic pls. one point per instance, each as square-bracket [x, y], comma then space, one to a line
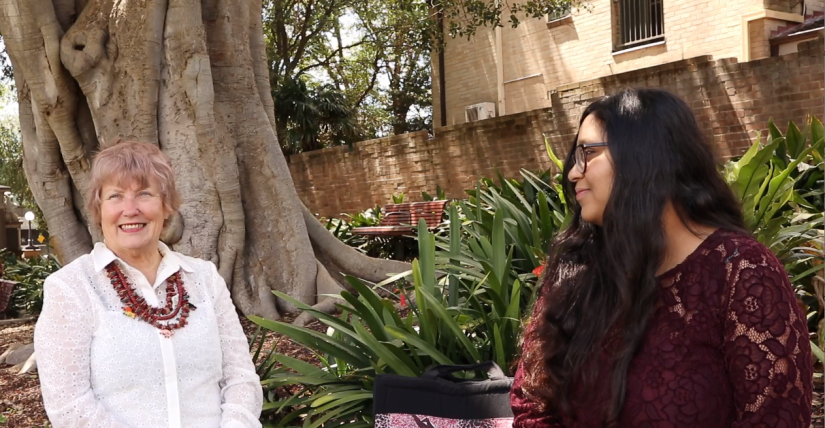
[171, 262]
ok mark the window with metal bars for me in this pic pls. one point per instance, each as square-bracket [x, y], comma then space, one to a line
[638, 22]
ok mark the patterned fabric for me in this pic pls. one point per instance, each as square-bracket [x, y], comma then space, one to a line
[402, 420]
[101, 368]
[727, 347]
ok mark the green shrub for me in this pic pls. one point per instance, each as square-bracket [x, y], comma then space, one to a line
[473, 281]
[27, 297]
[781, 185]
[370, 338]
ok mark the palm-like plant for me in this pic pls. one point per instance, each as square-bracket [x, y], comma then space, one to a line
[311, 119]
[780, 185]
[465, 309]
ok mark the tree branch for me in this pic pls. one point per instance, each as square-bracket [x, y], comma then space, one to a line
[326, 61]
[376, 71]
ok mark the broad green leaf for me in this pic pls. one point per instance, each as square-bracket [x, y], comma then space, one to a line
[417, 342]
[426, 255]
[478, 201]
[481, 248]
[368, 294]
[817, 131]
[536, 231]
[380, 348]
[426, 327]
[762, 176]
[295, 379]
[447, 320]
[391, 315]
[309, 423]
[455, 250]
[290, 401]
[795, 140]
[401, 352]
[747, 180]
[499, 246]
[499, 347]
[408, 323]
[301, 367]
[366, 313]
[499, 307]
[337, 322]
[394, 278]
[810, 271]
[347, 396]
[515, 305]
[552, 155]
[314, 340]
[521, 199]
[258, 333]
[779, 182]
[363, 397]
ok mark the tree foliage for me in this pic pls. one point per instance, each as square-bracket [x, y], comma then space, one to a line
[314, 118]
[463, 17]
[11, 161]
[375, 54]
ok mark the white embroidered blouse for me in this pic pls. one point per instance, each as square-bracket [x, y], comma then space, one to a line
[100, 368]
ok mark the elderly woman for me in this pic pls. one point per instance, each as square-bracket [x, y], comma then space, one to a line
[135, 334]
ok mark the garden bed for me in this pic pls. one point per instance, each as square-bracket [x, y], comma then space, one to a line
[22, 406]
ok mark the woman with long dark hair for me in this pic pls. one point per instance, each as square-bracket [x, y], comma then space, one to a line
[657, 309]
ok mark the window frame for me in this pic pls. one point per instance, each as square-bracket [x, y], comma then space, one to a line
[645, 18]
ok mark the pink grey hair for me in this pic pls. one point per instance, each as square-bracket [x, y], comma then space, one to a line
[129, 161]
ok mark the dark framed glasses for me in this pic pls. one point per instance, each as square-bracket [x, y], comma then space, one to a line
[581, 155]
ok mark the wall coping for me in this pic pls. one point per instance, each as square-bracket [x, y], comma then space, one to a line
[682, 63]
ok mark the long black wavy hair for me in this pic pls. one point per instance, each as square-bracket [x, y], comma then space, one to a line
[600, 287]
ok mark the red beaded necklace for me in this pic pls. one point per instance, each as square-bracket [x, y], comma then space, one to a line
[168, 318]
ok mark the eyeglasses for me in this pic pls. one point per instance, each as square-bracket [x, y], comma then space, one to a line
[581, 155]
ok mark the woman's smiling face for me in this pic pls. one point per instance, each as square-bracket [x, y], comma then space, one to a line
[593, 187]
[132, 217]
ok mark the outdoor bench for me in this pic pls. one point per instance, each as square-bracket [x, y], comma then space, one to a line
[402, 219]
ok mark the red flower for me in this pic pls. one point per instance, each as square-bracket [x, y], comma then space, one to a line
[539, 270]
[403, 300]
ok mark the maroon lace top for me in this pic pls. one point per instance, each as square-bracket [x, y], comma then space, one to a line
[727, 347]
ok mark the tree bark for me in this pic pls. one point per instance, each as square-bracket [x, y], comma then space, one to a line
[190, 76]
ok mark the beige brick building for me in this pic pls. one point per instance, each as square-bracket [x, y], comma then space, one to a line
[518, 70]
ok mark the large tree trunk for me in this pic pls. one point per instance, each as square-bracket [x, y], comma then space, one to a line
[190, 76]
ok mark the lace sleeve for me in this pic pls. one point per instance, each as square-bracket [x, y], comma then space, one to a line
[62, 340]
[241, 393]
[526, 413]
[766, 348]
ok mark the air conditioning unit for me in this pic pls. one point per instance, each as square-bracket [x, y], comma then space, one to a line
[479, 111]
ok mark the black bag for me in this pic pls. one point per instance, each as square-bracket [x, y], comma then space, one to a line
[439, 400]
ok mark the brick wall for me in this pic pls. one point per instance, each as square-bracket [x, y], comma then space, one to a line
[578, 49]
[582, 48]
[732, 102]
